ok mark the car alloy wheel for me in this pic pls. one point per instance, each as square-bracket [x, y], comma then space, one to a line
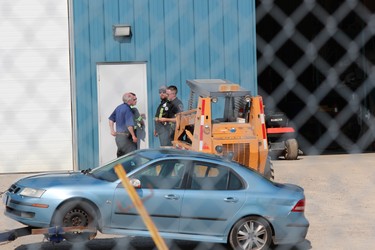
[251, 233]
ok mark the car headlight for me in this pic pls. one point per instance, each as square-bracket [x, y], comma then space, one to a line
[32, 192]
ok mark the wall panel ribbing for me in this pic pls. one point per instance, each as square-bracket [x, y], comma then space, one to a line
[179, 40]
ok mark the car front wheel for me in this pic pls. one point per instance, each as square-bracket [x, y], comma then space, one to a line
[251, 233]
[76, 214]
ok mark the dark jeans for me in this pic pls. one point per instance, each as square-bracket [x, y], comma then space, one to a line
[164, 134]
[141, 135]
[124, 144]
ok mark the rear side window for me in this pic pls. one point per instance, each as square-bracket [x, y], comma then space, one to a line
[235, 182]
[207, 176]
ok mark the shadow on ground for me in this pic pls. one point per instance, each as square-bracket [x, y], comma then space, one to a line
[138, 243]
[128, 243]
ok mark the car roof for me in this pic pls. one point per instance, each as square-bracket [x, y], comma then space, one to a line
[169, 152]
[172, 152]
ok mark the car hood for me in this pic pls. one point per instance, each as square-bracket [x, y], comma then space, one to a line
[57, 179]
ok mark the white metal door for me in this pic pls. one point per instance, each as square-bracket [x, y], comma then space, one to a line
[115, 79]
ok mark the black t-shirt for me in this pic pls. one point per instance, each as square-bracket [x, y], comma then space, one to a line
[161, 111]
[174, 107]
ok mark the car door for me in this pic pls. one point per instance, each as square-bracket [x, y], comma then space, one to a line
[161, 192]
[213, 196]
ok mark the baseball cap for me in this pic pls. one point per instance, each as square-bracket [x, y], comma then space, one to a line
[162, 89]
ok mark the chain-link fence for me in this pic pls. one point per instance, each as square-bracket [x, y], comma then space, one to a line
[315, 63]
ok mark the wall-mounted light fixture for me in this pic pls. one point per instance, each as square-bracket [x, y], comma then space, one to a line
[122, 30]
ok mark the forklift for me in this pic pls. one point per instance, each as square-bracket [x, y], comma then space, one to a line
[224, 119]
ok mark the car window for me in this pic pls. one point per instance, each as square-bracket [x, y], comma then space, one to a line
[207, 176]
[162, 175]
[235, 183]
[129, 164]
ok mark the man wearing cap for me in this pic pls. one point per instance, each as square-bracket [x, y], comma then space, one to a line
[126, 139]
[162, 129]
[174, 106]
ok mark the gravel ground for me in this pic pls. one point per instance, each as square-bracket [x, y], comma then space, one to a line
[340, 195]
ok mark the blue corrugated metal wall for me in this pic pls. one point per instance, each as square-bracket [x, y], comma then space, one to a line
[179, 39]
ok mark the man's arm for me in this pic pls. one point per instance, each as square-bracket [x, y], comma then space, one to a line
[174, 109]
[112, 127]
[131, 131]
[164, 119]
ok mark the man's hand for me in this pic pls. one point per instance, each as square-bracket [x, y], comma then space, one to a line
[135, 139]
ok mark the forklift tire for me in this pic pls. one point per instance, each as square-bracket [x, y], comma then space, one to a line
[268, 169]
[291, 149]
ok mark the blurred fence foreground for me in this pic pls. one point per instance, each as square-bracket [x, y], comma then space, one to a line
[315, 63]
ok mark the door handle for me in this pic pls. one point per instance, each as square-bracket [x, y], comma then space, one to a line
[231, 199]
[171, 197]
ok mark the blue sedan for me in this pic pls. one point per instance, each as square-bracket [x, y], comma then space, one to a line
[189, 196]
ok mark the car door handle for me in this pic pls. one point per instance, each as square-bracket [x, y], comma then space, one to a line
[171, 197]
[231, 199]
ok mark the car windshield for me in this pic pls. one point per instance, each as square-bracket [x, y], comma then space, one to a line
[129, 163]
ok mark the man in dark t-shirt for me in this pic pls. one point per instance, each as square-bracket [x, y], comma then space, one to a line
[173, 107]
[162, 128]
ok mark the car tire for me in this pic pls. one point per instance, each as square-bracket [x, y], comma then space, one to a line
[291, 149]
[74, 214]
[268, 169]
[251, 233]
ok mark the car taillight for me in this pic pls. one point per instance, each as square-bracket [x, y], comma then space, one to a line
[300, 206]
